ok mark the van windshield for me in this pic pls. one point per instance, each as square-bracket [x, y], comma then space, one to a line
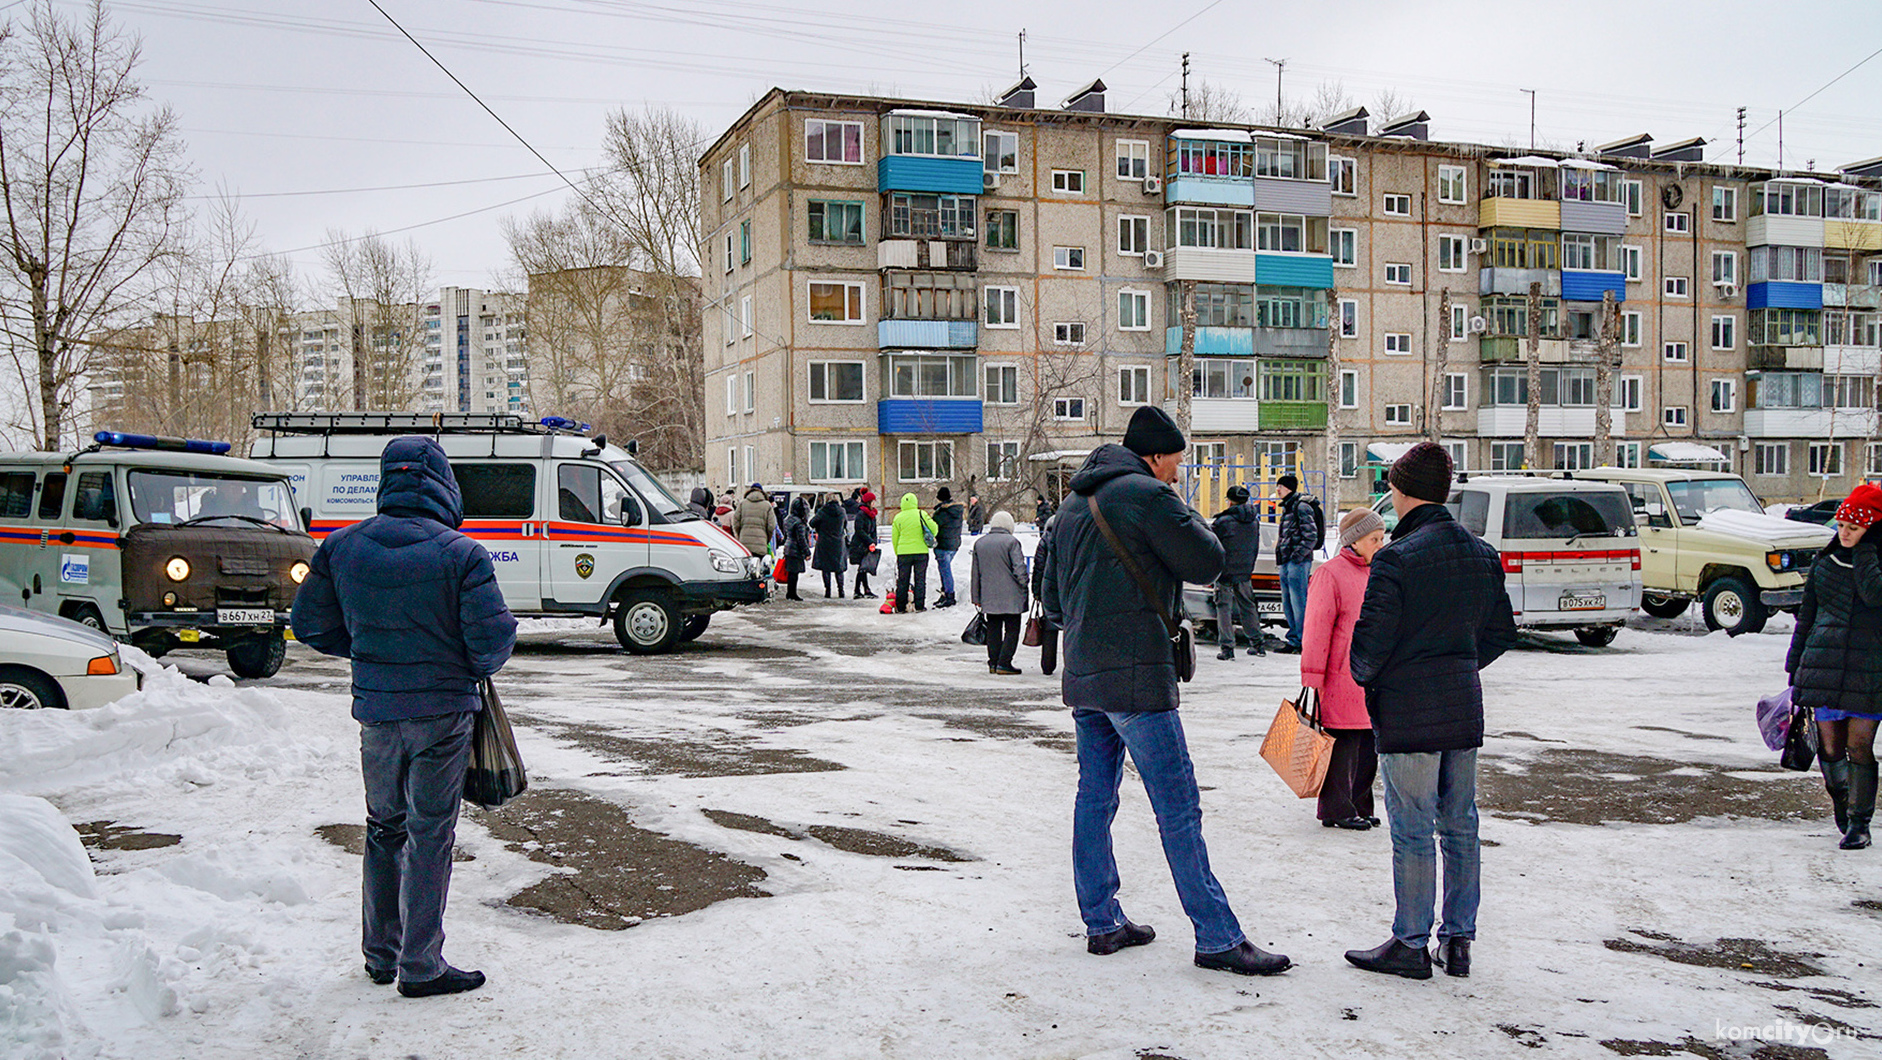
[1694, 499]
[658, 500]
[177, 497]
[1545, 516]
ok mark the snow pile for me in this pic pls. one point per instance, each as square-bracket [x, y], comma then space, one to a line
[48, 879]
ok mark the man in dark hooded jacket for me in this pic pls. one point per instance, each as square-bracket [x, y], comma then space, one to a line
[415, 605]
[1121, 683]
[1239, 530]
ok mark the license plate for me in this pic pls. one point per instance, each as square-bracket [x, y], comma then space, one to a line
[244, 616]
[1266, 607]
[1583, 602]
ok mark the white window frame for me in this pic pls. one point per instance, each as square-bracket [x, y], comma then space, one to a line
[1349, 460]
[1068, 333]
[1872, 459]
[1631, 328]
[1128, 154]
[935, 449]
[992, 393]
[1062, 182]
[1062, 259]
[1729, 274]
[1634, 194]
[1675, 416]
[1009, 296]
[751, 391]
[751, 461]
[1582, 452]
[1460, 454]
[1407, 273]
[1000, 137]
[744, 316]
[1349, 395]
[1456, 391]
[1675, 351]
[1730, 322]
[1678, 222]
[731, 255]
[862, 461]
[1141, 300]
[726, 189]
[1397, 414]
[1134, 380]
[1460, 322]
[744, 165]
[1627, 454]
[1825, 460]
[1457, 249]
[731, 464]
[1629, 391]
[1133, 234]
[1506, 452]
[1350, 166]
[824, 124]
[1461, 176]
[1348, 236]
[1729, 215]
[1727, 387]
[1003, 462]
[862, 367]
[1387, 200]
[1345, 331]
[1400, 339]
[1771, 459]
[1632, 260]
[731, 394]
[1676, 287]
[1062, 408]
[862, 302]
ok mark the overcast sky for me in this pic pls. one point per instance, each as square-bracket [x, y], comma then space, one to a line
[285, 96]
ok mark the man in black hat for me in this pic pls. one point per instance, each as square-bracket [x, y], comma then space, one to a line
[1435, 613]
[1120, 681]
[1239, 530]
[1302, 532]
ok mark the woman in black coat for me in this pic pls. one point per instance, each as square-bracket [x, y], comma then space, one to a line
[1048, 633]
[1835, 661]
[796, 545]
[828, 557]
[863, 541]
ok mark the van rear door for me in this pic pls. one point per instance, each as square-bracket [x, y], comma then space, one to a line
[1570, 555]
[585, 545]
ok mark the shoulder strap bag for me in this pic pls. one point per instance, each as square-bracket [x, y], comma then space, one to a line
[1182, 642]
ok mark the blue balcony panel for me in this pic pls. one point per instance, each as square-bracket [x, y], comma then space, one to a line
[1213, 342]
[1784, 294]
[928, 416]
[1294, 270]
[1581, 286]
[1210, 191]
[926, 335]
[959, 176]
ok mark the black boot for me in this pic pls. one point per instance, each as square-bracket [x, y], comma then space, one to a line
[1861, 805]
[1453, 956]
[1226, 653]
[1836, 782]
[453, 981]
[1112, 941]
[1393, 958]
[1245, 959]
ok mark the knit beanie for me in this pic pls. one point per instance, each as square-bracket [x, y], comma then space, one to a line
[1152, 433]
[1288, 482]
[1423, 473]
[944, 495]
[1357, 523]
[1862, 507]
[1002, 520]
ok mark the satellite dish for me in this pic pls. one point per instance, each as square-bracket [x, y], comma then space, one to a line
[1672, 195]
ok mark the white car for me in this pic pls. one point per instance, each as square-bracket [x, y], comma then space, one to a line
[47, 661]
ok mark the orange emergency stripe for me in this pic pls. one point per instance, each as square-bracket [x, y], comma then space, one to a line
[50, 536]
[504, 530]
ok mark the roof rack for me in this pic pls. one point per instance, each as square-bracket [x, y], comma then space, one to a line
[330, 423]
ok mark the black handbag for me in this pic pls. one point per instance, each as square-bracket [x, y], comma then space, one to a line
[1800, 743]
[1182, 641]
[496, 772]
[871, 561]
[976, 631]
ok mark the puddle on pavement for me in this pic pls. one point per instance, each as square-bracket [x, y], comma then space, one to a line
[352, 839]
[1748, 955]
[730, 755]
[1589, 787]
[109, 835]
[619, 874]
[849, 840]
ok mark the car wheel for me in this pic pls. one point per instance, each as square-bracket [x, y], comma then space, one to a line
[258, 657]
[89, 616]
[1732, 604]
[1597, 636]
[23, 689]
[695, 625]
[1664, 606]
[646, 622]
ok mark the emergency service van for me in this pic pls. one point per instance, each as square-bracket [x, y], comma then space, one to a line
[162, 542]
[574, 525]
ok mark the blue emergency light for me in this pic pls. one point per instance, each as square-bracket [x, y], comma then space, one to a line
[563, 423]
[151, 441]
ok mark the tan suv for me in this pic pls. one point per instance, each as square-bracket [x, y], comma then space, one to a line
[1704, 537]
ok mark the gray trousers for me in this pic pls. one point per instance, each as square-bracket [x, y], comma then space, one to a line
[414, 783]
[1232, 598]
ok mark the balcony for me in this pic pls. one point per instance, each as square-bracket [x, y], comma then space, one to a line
[927, 254]
[1293, 415]
[1852, 295]
[1601, 218]
[928, 416]
[1588, 286]
[1852, 360]
[1222, 415]
[927, 334]
[957, 176]
[1212, 265]
[1842, 234]
[1192, 189]
[1510, 349]
[1311, 197]
[1809, 423]
[1784, 294]
[1212, 341]
[1294, 270]
[1517, 281]
[1519, 213]
[1552, 421]
[1784, 230]
[1785, 358]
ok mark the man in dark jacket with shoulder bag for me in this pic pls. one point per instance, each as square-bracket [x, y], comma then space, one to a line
[1435, 613]
[1240, 533]
[415, 605]
[1121, 547]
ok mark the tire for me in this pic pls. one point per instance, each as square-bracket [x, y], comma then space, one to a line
[646, 622]
[87, 615]
[1732, 604]
[24, 689]
[693, 627]
[1597, 636]
[1664, 606]
[258, 657]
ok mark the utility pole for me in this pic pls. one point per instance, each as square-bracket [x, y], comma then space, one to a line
[1741, 136]
[1022, 55]
[1280, 66]
[1185, 86]
[1532, 423]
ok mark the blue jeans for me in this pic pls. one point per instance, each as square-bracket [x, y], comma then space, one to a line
[945, 560]
[1294, 599]
[1156, 745]
[414, 783]
[1431, 801]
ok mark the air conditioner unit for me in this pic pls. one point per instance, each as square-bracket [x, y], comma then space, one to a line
[1478, 246]
[1479, 325]
[1153, 185]
[989, 181]
[1725, 288]
[1153, 259]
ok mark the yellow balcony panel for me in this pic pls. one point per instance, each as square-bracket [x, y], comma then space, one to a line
[1519, 213]
[1853, 235]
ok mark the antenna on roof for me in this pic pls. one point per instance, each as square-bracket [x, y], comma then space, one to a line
[1022, 54]
[1185, 86]
[1741, 136]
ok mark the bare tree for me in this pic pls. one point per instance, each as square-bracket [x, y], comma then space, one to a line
[92, 183]
[1389, 103]
[1434, 408]
[381, 290]
[1209, 101]
[1532, 422]
[1604, 380]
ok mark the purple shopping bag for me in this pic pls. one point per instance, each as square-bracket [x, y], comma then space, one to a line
[1774, 719]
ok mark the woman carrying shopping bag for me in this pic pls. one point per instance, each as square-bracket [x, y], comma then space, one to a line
[1333, 598]
[997, 586]
[865, 553]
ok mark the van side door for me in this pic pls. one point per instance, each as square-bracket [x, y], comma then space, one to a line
[501, 513]
[24, 543]
[587, 544]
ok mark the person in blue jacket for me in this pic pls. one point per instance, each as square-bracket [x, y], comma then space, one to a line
[415, 605]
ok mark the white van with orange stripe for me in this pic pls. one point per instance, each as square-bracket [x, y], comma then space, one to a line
[574, 525]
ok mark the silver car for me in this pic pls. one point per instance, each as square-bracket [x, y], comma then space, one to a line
[56, 663]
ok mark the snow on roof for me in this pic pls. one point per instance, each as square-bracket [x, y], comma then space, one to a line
[1388, 452]
[931, 114]
[1527, 160]
[1685, 453]
[1236, 135]
[1583, 163]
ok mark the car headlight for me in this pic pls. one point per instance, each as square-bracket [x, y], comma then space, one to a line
[178, 568]
[1779, 561]
[726, 563]
[298, 572]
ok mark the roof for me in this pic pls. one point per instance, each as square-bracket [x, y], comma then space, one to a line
[1655, 474]
[1685, 453]
[155, 458]
[1536, 161]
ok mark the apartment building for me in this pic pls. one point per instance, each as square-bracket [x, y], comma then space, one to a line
[913, 293]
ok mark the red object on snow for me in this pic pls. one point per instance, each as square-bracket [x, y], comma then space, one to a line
[888, 602]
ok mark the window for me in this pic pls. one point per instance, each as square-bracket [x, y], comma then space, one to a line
[1456, 390]
[1724, 395]
[730, 260]
[931, 215]
[1673, 416]
[1398, 273]
[1874, 463]
[926, 461]
[744, 242]
[1453, 184]
[1133, 235]
[1293, 381]
[1826, 459]
[1394, 205]
[1349, 388]
[1674, 286]
[1771, 458]
[1724, 267]
[1290, 233]
[744, 316]
[1133, 310]
[1002, 384]
[1001, 154]
[1627, 454]
[1724, 203]
[1068, 181]
[731, 464]
[744, 165]
[1133, 159]
[1397, 343]
[1002, 461]
[930, 375]
[1673, 352]
[1344, 244]
[51, 496]
[1724, 333]
[1574, 456]
[731, 394]
[1632, 193]
[836, 381]
[16, 494]
[835, 222]
[1209, 453]
[1068, 408]
[1678, 221]
[1133, 385]
[836, 303]
[1849, 391]
[725, 181]
[1451, 253]
[1068, 258]
[939, 135]
[1630, 263]
[1399, 415]
[1627, 397]
[1187, 226]
[1002, 307]
[1804, 264]
[1349, 318]
[1507, 456]
[751, 391]
[1786, 327]
[1460, 452]
[837, 462]
[1460, 323]
[1290, 307]
[1630, 328]
[1218, 305]
[1002, 229]
[1340, 171]
[1068, 334]
[1289, 158]
[586, 494]
[1219, 377]
[1349, 459]
[833, 142]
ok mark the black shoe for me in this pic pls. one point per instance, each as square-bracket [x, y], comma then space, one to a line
[1245, 959]
[1393, 958]
[1454, 957]
[919, 607]
[1373, 821]
[1225, 653]
[453, 981]
[792, 596]
[1258, 650]
[381, 976]
[1328, 824]
[1862, 778]
[1112, 941]
[1354, 824]
[1006, 671]
[1288, 649]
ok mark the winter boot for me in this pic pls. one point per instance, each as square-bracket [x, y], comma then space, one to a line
[1836, 782]
[1245, 959]
[1861, 805]
[1226, 653]
[453, 981]
[1393, 958]
[1112, 941]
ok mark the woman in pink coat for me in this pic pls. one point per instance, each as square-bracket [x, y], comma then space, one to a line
[1333, 599]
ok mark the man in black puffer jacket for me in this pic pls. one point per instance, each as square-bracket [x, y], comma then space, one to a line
[1239, 530]
[415, 605]
[1120, 681]
[1435, 613]
[1302, 532]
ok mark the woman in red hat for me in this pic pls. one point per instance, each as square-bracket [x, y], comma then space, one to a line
[1835, 661]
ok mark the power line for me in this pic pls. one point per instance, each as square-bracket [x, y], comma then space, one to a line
[383, 187]
[1793, 107]
[1213, 4]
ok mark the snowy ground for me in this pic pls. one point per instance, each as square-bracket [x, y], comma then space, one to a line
[1651, 880]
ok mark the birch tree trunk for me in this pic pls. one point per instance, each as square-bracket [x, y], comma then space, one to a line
[1604, 381]
[1434, 410]
[1532, 424]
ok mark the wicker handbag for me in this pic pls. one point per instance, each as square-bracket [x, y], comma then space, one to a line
[1297, 747]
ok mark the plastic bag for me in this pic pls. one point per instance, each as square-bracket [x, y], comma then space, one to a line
[1774, 719]
[496, 772]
